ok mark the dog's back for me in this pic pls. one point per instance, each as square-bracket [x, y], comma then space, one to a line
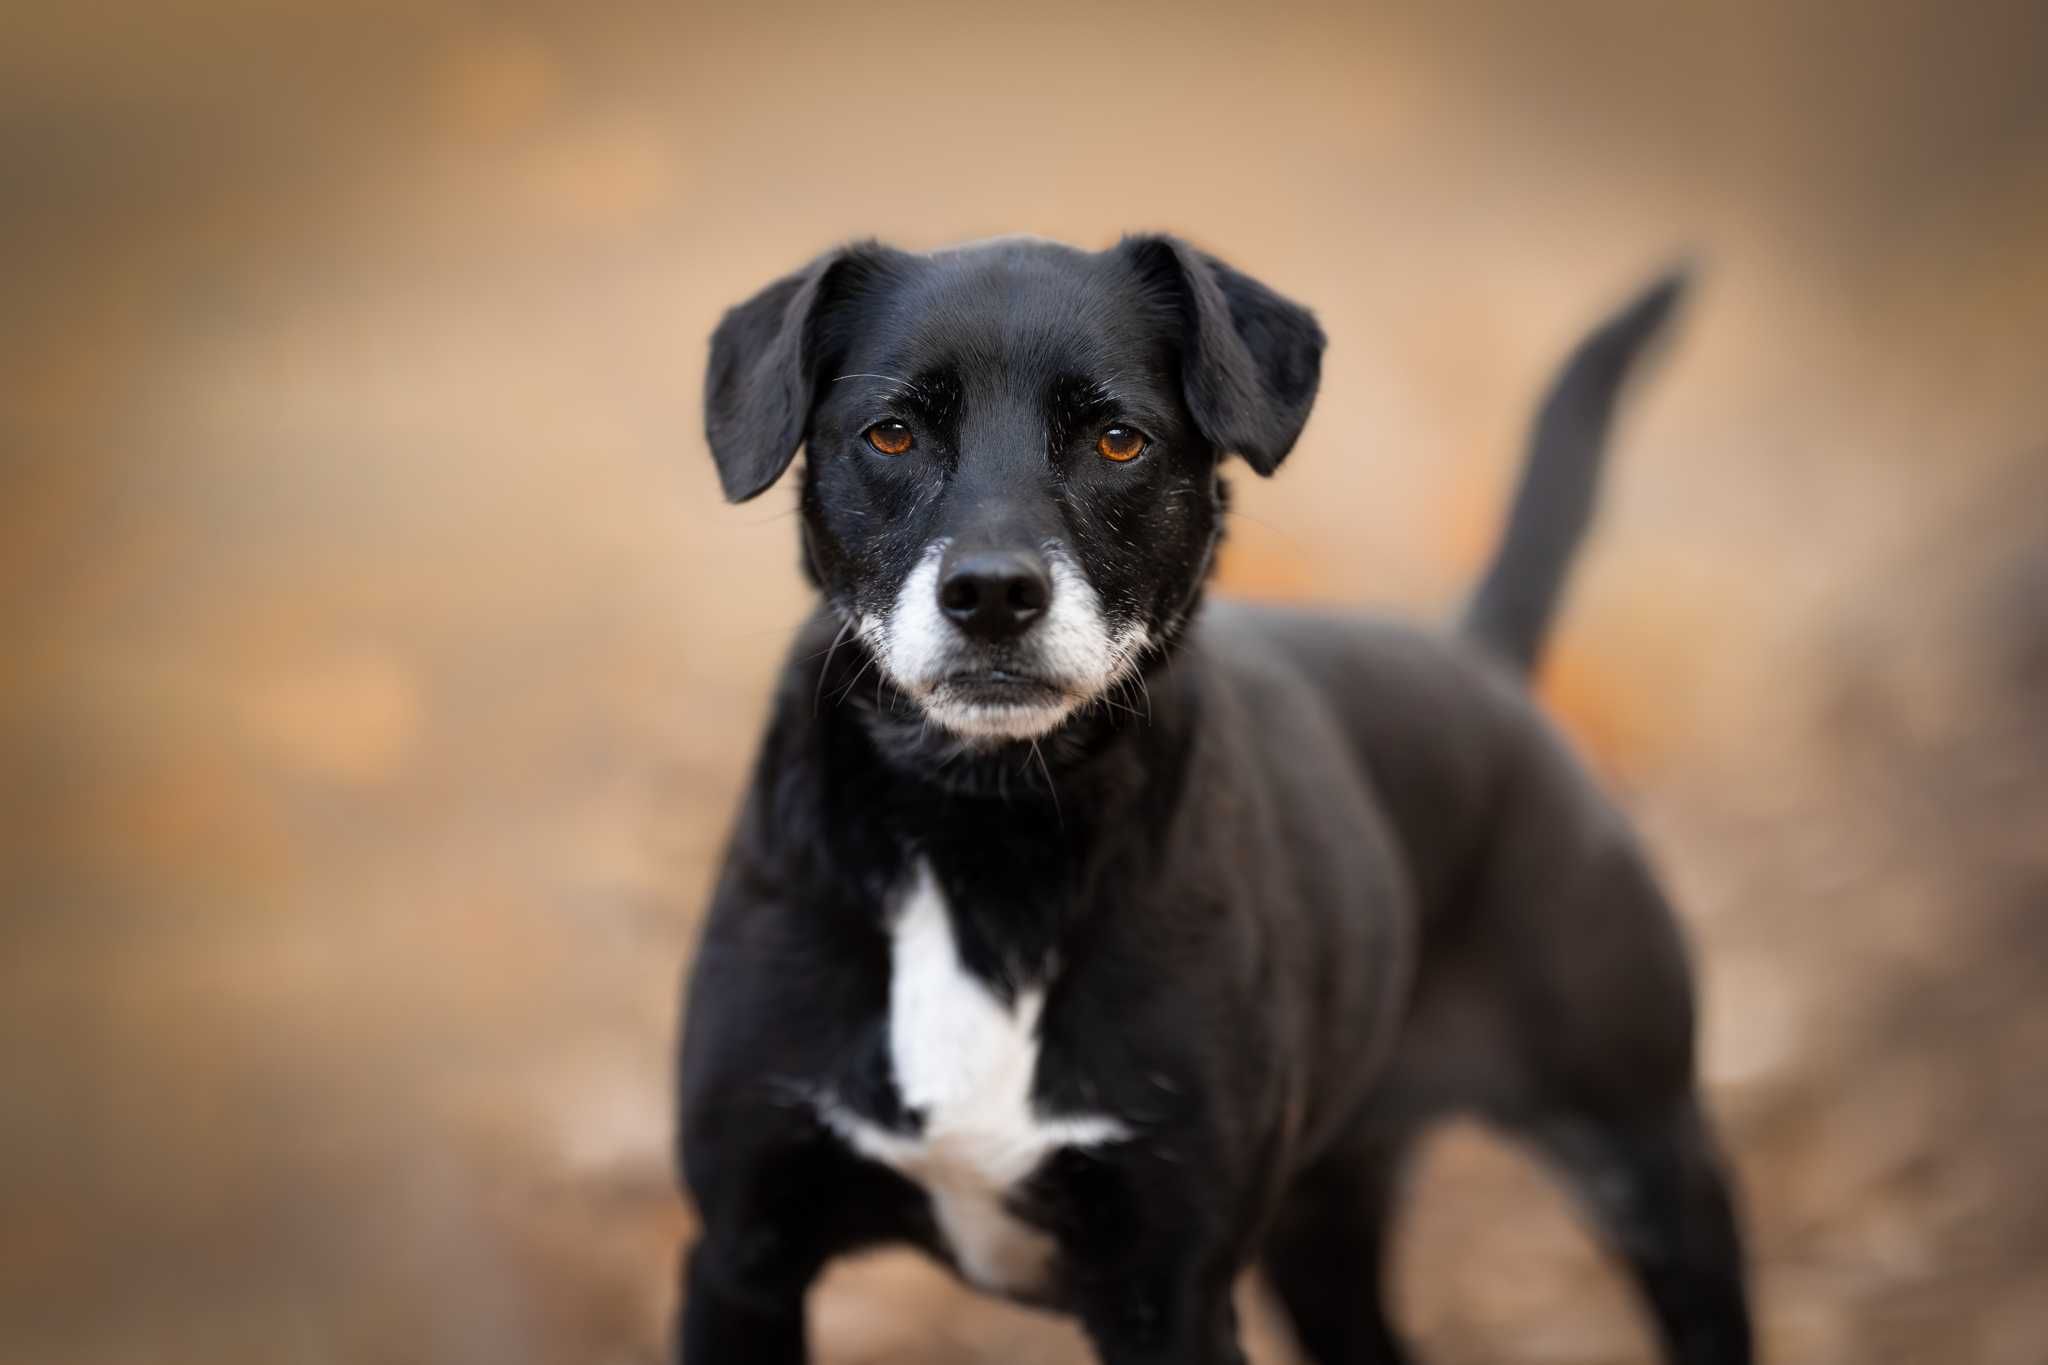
[1441, 720]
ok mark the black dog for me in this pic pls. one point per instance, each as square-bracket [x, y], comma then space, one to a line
[1101, 945]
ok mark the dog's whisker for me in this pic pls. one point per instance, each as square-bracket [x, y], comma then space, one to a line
[1111, 703]
[1050, 789]
[817, 697]
[851, 682]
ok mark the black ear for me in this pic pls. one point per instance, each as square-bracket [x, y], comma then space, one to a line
[762, 376]
[1250, 360]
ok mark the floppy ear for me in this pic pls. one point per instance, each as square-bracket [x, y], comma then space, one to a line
[1250, 359]
[762, 376]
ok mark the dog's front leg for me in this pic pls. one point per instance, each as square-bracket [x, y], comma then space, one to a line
[775, 1207]
[1181, 1316]
[723, 1323]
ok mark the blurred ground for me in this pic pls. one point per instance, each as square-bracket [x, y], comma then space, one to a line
[381, 666]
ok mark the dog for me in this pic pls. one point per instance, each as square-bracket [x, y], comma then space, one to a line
[1104, 942]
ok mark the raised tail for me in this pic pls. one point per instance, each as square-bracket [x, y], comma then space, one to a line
[1510, 612]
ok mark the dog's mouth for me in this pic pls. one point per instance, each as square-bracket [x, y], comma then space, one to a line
[991, 705]
[1000, 687]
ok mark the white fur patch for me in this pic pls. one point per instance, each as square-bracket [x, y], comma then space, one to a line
[1073, 648]
[915, 640]
[966, 1063]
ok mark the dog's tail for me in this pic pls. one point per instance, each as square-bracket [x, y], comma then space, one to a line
[1510, 612]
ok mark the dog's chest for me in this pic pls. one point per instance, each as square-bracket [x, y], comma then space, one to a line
[965, 1063]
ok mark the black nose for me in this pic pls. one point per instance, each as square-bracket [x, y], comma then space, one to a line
[994, 595]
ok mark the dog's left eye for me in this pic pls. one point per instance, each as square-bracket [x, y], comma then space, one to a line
[890, 438]
[1121, 444]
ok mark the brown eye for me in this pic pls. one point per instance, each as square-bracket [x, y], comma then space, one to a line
[1120, 444]
[890, 438]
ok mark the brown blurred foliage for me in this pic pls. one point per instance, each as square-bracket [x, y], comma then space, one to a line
[381, 666]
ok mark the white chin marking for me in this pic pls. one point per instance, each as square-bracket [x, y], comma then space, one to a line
[1072, 647]
[971, 720]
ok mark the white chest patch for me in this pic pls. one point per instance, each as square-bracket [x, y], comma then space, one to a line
[966, 1063]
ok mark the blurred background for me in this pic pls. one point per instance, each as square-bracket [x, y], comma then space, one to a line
[381, 664]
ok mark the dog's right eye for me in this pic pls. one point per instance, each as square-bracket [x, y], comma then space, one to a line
[888, 438]
[1121, 444]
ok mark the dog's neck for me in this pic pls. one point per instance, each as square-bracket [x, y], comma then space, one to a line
[856, 788]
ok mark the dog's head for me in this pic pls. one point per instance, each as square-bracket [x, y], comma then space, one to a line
[1010, 491]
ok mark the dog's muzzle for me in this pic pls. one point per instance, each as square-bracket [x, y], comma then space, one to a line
[999, 644]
